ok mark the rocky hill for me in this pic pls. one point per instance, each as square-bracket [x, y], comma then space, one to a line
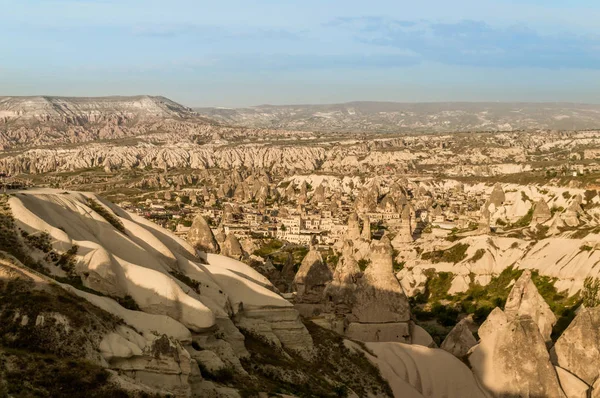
[81, 110]
[424, 117]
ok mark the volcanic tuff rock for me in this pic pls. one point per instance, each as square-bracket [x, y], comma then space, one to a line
[524, 299]
[311, 278]
[342, 289]
[353, 232]
[497, 197]
[139, 261]
[578, 348]
[541, 212]
[512, 360]
[460, 340]
[379, 296]
[231, 247]
[201, 237]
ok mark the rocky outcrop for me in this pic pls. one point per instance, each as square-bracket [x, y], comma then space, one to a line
[353, 232]
[381, 311]
[460, 340]
[541, 212]
[340, 293]
[524, 299]
[404, 235]
[312, 278]
[497, 197]
[231, 247]
[201, 237]
[366, 229]
[511, 360]
[577, 350]
[158, 362]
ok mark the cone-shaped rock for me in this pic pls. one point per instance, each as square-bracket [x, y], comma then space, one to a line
[201, 237]
[541, 213]
[513, 362]
[311, 278]
[231, 247]
[353, 232]
[379, 295]
[460, 340]
[578, 348]
[366, 229]
[340, 292]
[405, 233]
[497, 197]
[524, 299]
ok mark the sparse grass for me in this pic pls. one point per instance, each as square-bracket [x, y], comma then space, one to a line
[363, 263]
[477, 255]
[453, 254]
[525, 220]
[194, 284]
[107, 215]
[47, 375]
[334, 371]
[481, 300]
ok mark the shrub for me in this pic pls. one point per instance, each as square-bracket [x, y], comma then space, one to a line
[477, 256]
[107, 215]
[590, 294]
[363, 263]
[453, 254]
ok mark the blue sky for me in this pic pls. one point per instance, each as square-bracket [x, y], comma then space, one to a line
[239, 53]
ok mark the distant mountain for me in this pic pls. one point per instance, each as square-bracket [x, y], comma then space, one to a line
[81, 110]
[426, 117]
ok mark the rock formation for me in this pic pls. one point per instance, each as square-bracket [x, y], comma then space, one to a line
[340, 293]
[353, 232]
[366, 229]
[201, 237]
[511, 360]
[541, 212]
[524, 299]
[404, 235]
[231, 247]
[460, 340]
[577, 350]
[497, 197]
[311, 279]
[381, 311]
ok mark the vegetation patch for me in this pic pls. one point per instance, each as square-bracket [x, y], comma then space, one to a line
[46, 375]
[477, 255]
[107, 215]
[334, 372]
[453, 254]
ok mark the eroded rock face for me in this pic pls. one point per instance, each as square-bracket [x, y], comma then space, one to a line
[578, 348]
[160, 362]
[512, 361]
[231, 247]
[541, 212]
[497, 197]
[379, 296]
[524, 299]
[201, 237]
[405, 233]
[353, 232]
[366, 230]
[341, 291]
[460, 340]
[312, 278]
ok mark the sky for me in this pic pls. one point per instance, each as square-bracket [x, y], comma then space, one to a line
[250, 52]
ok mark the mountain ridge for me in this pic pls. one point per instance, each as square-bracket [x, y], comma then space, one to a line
[377, 116]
